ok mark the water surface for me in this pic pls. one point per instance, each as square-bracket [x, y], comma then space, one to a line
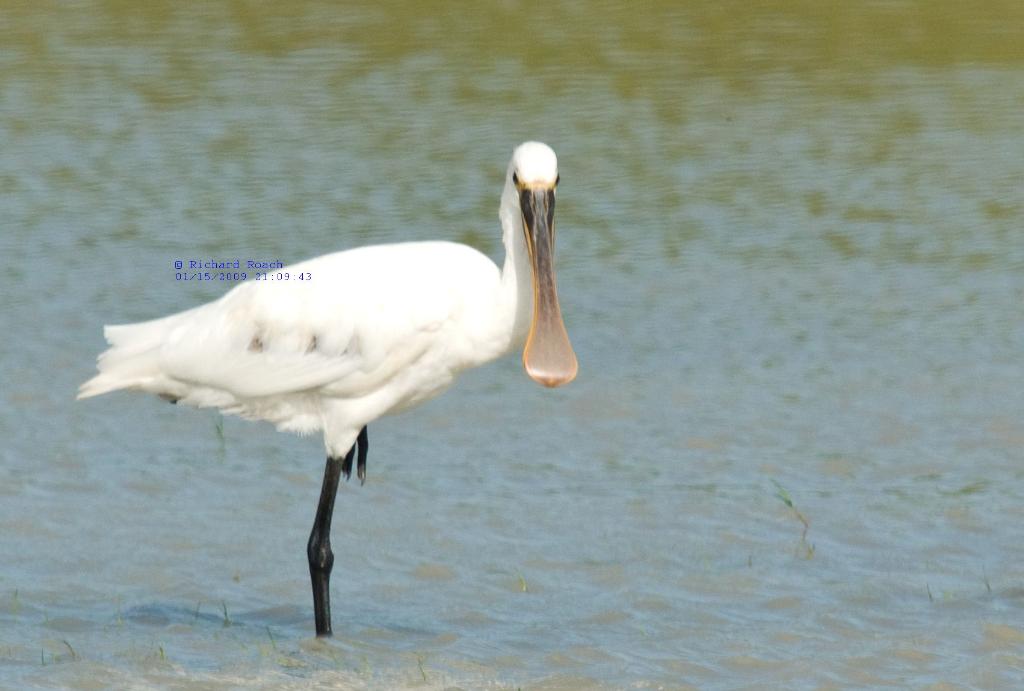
[791, 263]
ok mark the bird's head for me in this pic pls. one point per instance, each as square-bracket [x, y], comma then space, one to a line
[533, 176]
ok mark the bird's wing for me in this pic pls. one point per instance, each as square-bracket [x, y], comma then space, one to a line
[344, 332]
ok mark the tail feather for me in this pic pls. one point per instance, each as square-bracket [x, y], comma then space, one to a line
[132, 361]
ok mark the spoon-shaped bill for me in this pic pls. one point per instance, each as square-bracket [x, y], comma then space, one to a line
[548, 356]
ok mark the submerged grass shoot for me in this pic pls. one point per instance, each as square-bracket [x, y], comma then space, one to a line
[221, 445]
[782, 494]
[74, 655]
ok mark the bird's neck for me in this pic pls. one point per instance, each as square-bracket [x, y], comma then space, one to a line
[517, 274]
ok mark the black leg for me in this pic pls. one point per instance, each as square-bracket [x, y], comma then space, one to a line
[346, 465]
[318, 549]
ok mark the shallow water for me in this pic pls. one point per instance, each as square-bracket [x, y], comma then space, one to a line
[791, 262]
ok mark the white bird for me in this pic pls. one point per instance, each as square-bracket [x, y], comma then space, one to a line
[355, 335]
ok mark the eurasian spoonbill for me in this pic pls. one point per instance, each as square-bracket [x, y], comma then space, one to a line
[365, 333]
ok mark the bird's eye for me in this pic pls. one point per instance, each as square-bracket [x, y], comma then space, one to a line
[515, 179]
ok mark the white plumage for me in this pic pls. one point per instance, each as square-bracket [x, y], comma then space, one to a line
[372, 331]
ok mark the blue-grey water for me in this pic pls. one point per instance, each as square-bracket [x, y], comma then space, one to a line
[791, 260]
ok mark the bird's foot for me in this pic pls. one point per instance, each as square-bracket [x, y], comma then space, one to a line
[362, 446]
